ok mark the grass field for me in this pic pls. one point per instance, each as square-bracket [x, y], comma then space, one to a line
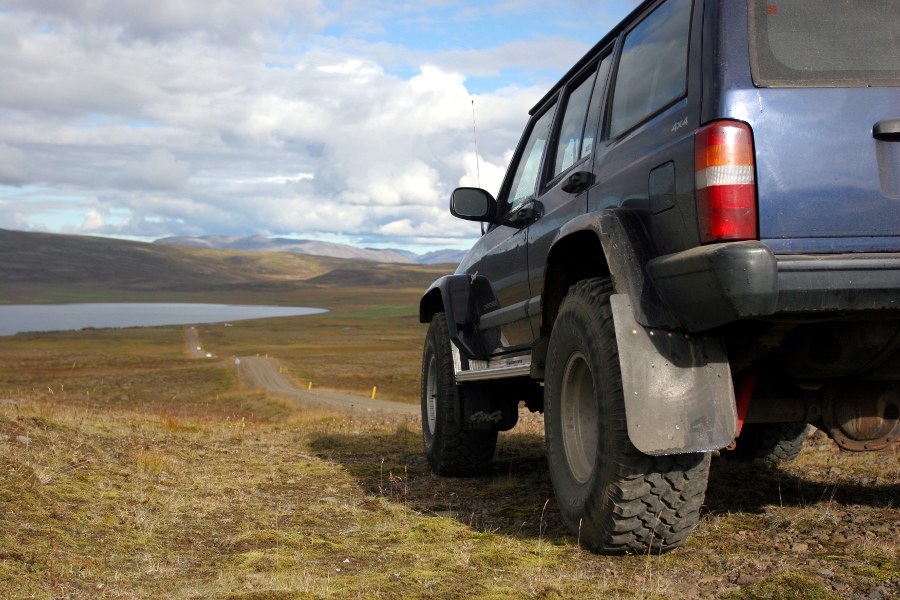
[130, 470]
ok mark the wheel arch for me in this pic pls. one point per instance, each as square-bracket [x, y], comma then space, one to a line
[452, 295]
[565, 267]
[430, 304]
[696, 366]
[622, 248]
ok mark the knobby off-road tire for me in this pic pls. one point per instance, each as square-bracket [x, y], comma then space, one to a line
[450, 450]
[773, 443]
[615, 498]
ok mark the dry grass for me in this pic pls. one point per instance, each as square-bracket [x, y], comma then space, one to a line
[119, 503]
[129, 470]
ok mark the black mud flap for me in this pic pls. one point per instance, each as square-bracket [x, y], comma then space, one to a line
[481, 408]
[679, 396]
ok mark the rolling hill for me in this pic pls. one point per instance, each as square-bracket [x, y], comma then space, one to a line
[56, 261]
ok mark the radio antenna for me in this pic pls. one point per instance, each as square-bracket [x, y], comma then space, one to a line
[475, 130]
[477, 165]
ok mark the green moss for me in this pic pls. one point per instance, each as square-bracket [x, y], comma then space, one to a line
[257, 561]
[271, 595]
[267, 539]
[785, 585]
[883, 564]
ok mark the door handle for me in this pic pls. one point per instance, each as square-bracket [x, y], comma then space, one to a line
[578, 182]
[887, 130]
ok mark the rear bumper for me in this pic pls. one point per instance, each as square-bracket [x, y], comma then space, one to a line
[714, 285]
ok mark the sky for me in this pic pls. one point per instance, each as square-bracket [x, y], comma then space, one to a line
[336, 121]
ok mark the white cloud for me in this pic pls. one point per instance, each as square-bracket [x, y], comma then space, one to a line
[483, 174]
[541, 54]
[221, 20]
[93, 221]
[225, 117]
[159, 171]
[13, 166]
[11, 217]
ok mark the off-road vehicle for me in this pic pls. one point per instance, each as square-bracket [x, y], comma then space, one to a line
[696, 248]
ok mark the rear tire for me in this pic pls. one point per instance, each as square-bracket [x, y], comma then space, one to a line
[615, 498]
[773, 443]
[450, 450]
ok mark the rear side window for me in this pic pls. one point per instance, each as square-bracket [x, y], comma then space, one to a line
[825, 43]
[579, 122]
[568, 149]
[653, 68]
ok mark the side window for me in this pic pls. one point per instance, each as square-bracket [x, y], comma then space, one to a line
[593, 116]
[522, 188]
[653, 68]
[577, 131]
[571, 131]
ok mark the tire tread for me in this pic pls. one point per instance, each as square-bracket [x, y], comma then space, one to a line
[773, 443]
[654, 501]
[456, 452]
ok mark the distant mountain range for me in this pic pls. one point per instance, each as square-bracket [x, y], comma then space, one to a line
[264, 244]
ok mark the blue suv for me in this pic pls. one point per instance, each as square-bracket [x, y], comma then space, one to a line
[696, 248]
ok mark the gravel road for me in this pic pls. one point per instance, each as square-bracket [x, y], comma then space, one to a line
[263, 373]
[193, 344]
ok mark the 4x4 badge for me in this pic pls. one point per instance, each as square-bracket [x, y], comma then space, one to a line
[680, 124]
[481, 416]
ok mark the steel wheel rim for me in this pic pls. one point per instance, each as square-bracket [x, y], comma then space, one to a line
[579, 418]
[431, 394]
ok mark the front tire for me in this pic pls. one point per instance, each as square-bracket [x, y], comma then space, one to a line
[450, 450]
[617, 499]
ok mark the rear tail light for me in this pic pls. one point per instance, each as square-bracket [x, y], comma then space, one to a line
[725, 182]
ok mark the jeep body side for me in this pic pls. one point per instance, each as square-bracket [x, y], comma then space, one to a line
[696, 247]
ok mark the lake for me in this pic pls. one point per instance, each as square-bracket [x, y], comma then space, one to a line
[17, 318]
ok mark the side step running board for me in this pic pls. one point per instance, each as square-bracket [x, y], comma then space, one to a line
[495, 372]
[481, 370]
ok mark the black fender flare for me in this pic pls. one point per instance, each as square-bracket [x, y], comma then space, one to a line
[627, 249]
[454, 296]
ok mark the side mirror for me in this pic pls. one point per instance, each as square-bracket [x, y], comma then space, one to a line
[472, 204]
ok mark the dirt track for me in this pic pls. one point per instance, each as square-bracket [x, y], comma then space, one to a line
[264, 373]
[193, 344]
